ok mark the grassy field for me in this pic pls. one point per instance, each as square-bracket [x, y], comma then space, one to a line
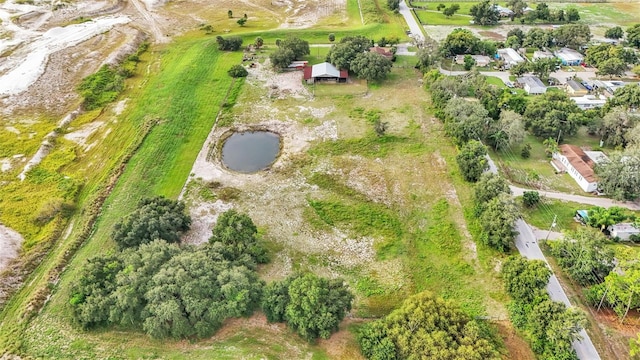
[432, 17]
[410, 202]
[542, 215]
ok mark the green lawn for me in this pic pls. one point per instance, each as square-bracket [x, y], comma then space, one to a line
[542, 215]
[493, 80]
[429, 17]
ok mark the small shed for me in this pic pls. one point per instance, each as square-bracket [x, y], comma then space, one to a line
[297, 65]
[325, 72]
[382, 51]
[623, 231]
[574, 88]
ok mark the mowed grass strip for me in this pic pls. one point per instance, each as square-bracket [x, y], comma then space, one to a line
[184, 97]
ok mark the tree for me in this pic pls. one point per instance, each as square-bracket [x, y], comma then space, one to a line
[230, 14]
[393, 5]
[154, 218]
[615, 32]
[275, 299]
[459, 41]
[371, 66]
[472, 160]
[507, 131]
[552, 114]
[584, 256]
[513, 42]
[298, 46]
[488, 48]
[543, 67]
[468, 62]
[426, 327]
[191, 295]
[612, 67]
[342, 54]
[488, 187]
[427, 57]
[572, 35]
[91, 299]
[465, 120]
[597, 55]
[316, 306]
[572, 15]
[241, 21]
[632, 137]
[543, 12]
[550, 146]
[601, 218]
[538, 38]
[498, 220]
[621, 289]
[633, 35]
[440, 6]
[525, 153]
[627, 97]
[258, 42]
[237, 71]
[615, 126]
[530, 198]
[520, 69]
[484, 13]
[523, 278]
[332, 37]
[620, 175]
[559, 16]
[517, 6]
[451, 10]
[239, 235]
[281, 58]
[230, 43]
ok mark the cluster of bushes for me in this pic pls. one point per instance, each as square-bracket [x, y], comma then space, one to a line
[549, 326]
[289, 49]
[170, 290]
[427, 327]
[107, 83]
[230, 43]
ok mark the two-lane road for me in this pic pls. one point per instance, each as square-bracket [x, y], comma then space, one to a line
[416, 29]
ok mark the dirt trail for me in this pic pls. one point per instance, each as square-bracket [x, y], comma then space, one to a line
[151, 21]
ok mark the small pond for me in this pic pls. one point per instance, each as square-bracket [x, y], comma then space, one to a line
[250, 151]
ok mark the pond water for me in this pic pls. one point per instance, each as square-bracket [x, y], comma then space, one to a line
[250, 151]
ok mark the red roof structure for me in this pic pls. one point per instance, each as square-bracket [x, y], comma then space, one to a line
[579, 160]
[382, 51]
[307, 72]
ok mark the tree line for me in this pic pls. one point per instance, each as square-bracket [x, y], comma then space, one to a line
[168, 290]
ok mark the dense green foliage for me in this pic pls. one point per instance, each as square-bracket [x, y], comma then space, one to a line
[552, 114]
[289, 49]
[484, 13]
[426, 327]
[498, 219]
[230, 43]
[615, 32]
[173, 291]
[584, 256]
[472, 160]
[371, 66]
[633, 35]
[310, 305]
[617, 127]
[101, 88]
[619, 175]
[619, 290]
[601, 218]
[343, 53]
[488, 187]
[530, 198]
[237, 71]
[548, 325]
[155, 218]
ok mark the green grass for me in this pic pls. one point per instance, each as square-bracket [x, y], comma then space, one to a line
[428, 17]
[493, 80]
[542, 215]
[600, 13]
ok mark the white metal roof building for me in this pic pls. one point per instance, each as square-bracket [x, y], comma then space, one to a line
[623, 231]
[324, 69]
[569, 56]
[589, 102]
[510, 57]
[532, 85]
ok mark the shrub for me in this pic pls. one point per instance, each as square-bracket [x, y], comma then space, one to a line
[238, 71]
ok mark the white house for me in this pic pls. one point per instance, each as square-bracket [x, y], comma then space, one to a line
[579, 164]
[481, 60]
[589, 102]
[623, 231]
[569, 57]
[532, 85]
[542, 54]
[510, 57]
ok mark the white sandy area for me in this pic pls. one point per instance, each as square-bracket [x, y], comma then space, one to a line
[9, 245]
[28, 63]
[5, 165]
[81, 135]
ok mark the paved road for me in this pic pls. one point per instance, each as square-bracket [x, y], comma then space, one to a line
[416, 29]
[595, 201]
[527, 245]
[561, 75]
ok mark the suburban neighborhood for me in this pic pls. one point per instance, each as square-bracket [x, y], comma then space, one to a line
[320, 179]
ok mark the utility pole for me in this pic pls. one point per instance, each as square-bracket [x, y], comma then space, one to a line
[553, 224]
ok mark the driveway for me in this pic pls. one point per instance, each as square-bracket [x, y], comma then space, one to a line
[414, 26]
[595, 201]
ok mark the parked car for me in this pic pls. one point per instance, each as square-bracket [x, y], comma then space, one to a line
[509, 84]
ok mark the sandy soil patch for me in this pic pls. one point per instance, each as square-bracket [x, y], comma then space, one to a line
[305, 13]
[280, 85]
[10, 242]
[5, 165]
[81, 135]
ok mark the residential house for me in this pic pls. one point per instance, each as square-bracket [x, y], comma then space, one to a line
[532, 85]
[325, 72]
[589, 101]
[569, 57]
[542, 54]
[579, 164]
[510, 57]
[623, 231]
[574, 88]
[503, 11]
[382, 51]
[480, 60]
[608, 86]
